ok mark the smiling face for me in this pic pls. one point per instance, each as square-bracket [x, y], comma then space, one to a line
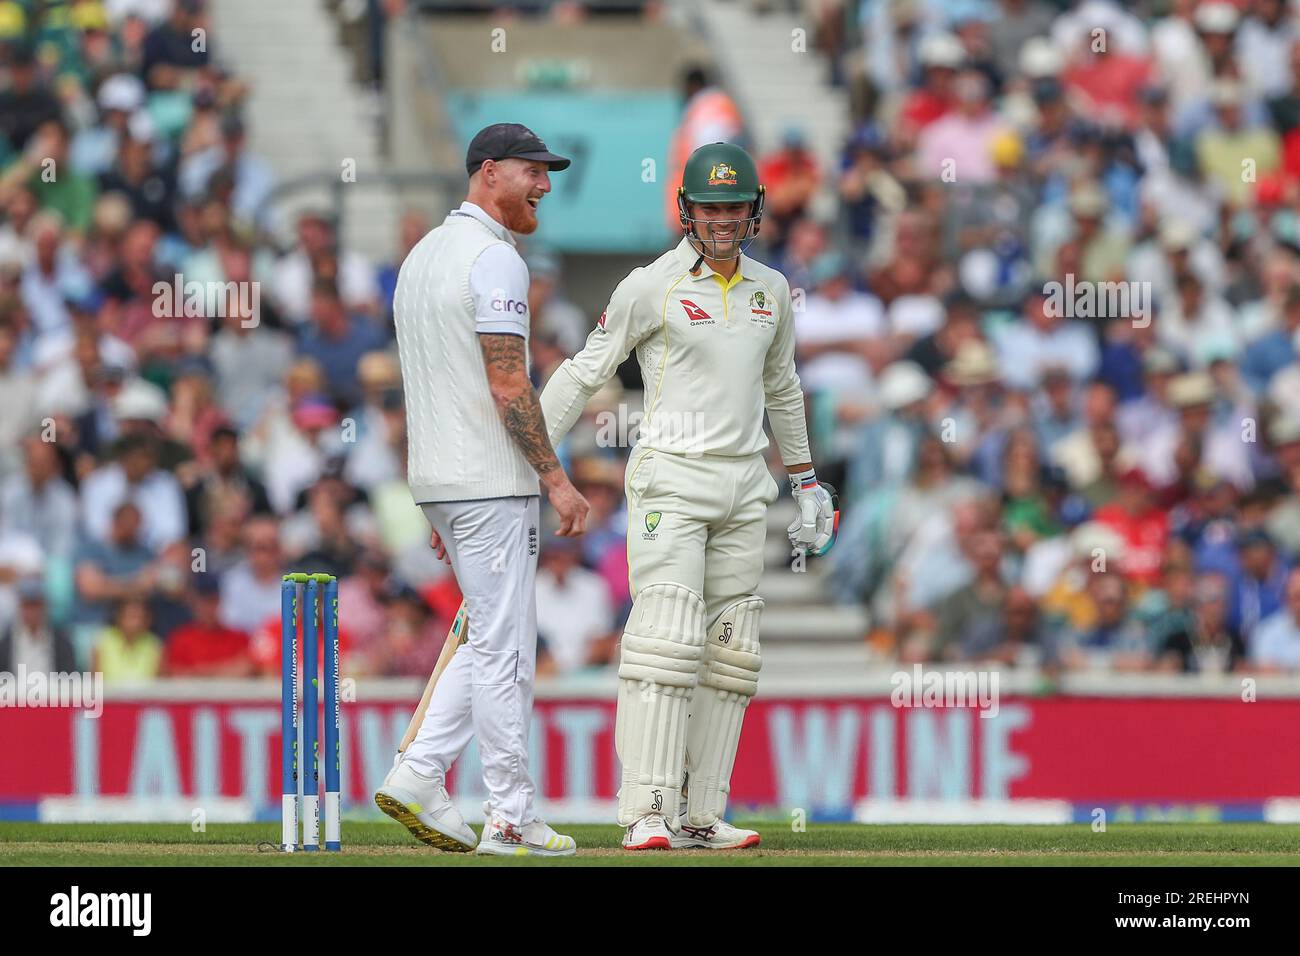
[518, 186]
[722, 225]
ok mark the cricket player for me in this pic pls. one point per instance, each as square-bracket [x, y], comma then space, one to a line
[714, 335]
[477, 449]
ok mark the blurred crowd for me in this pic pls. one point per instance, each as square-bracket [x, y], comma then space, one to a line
[1051, 330]
[1035, 469]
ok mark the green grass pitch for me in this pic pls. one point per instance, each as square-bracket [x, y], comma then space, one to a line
[387, 844]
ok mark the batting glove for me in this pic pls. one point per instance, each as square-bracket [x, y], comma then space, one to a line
[813, 529]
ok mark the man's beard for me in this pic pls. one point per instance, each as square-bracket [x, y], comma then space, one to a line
[520, 217]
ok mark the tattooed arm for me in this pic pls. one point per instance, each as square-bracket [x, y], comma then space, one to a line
[516, 401]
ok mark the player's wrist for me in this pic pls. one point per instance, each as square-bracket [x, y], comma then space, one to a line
[803, 481]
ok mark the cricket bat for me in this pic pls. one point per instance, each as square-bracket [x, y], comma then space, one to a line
[457, 636]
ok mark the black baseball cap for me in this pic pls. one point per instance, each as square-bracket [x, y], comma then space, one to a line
[510, 141]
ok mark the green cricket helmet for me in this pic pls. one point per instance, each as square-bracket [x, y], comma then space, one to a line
[720, 173]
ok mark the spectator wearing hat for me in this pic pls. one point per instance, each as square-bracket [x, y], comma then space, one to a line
[1276, 643]
[32, 641]
[120, 96]
[204, 647]
[887, 443]
[575, 616]
[150, 187]
[1231, 141]
[940, 56]
[979, 411]
[1217, 445]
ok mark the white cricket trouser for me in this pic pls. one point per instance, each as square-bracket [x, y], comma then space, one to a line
[487, 689]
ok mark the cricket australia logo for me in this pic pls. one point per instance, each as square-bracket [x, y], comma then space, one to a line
[722, 175]
[651, 522]
[760, 312]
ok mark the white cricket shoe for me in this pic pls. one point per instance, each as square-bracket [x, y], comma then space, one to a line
[721, 836]
[651, 832]
[535, 838]
[422, 805]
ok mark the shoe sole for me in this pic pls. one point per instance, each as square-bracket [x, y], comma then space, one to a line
[491, 849]
[747, 844]
[418, 829]
[654, 843]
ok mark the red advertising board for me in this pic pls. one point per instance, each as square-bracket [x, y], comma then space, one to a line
[822, 754]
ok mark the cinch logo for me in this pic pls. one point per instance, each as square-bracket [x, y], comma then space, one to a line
[694, 312]
[517, 306]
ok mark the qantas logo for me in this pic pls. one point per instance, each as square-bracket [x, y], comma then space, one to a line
[694, 312]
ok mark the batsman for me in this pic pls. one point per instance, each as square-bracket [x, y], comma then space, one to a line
[713, 332]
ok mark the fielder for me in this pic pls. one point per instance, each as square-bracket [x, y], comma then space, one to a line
[713, 332]
[477, 447]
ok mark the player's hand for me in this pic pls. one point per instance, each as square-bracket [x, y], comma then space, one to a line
[439, 548]
[814, 527]
[570, 506]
